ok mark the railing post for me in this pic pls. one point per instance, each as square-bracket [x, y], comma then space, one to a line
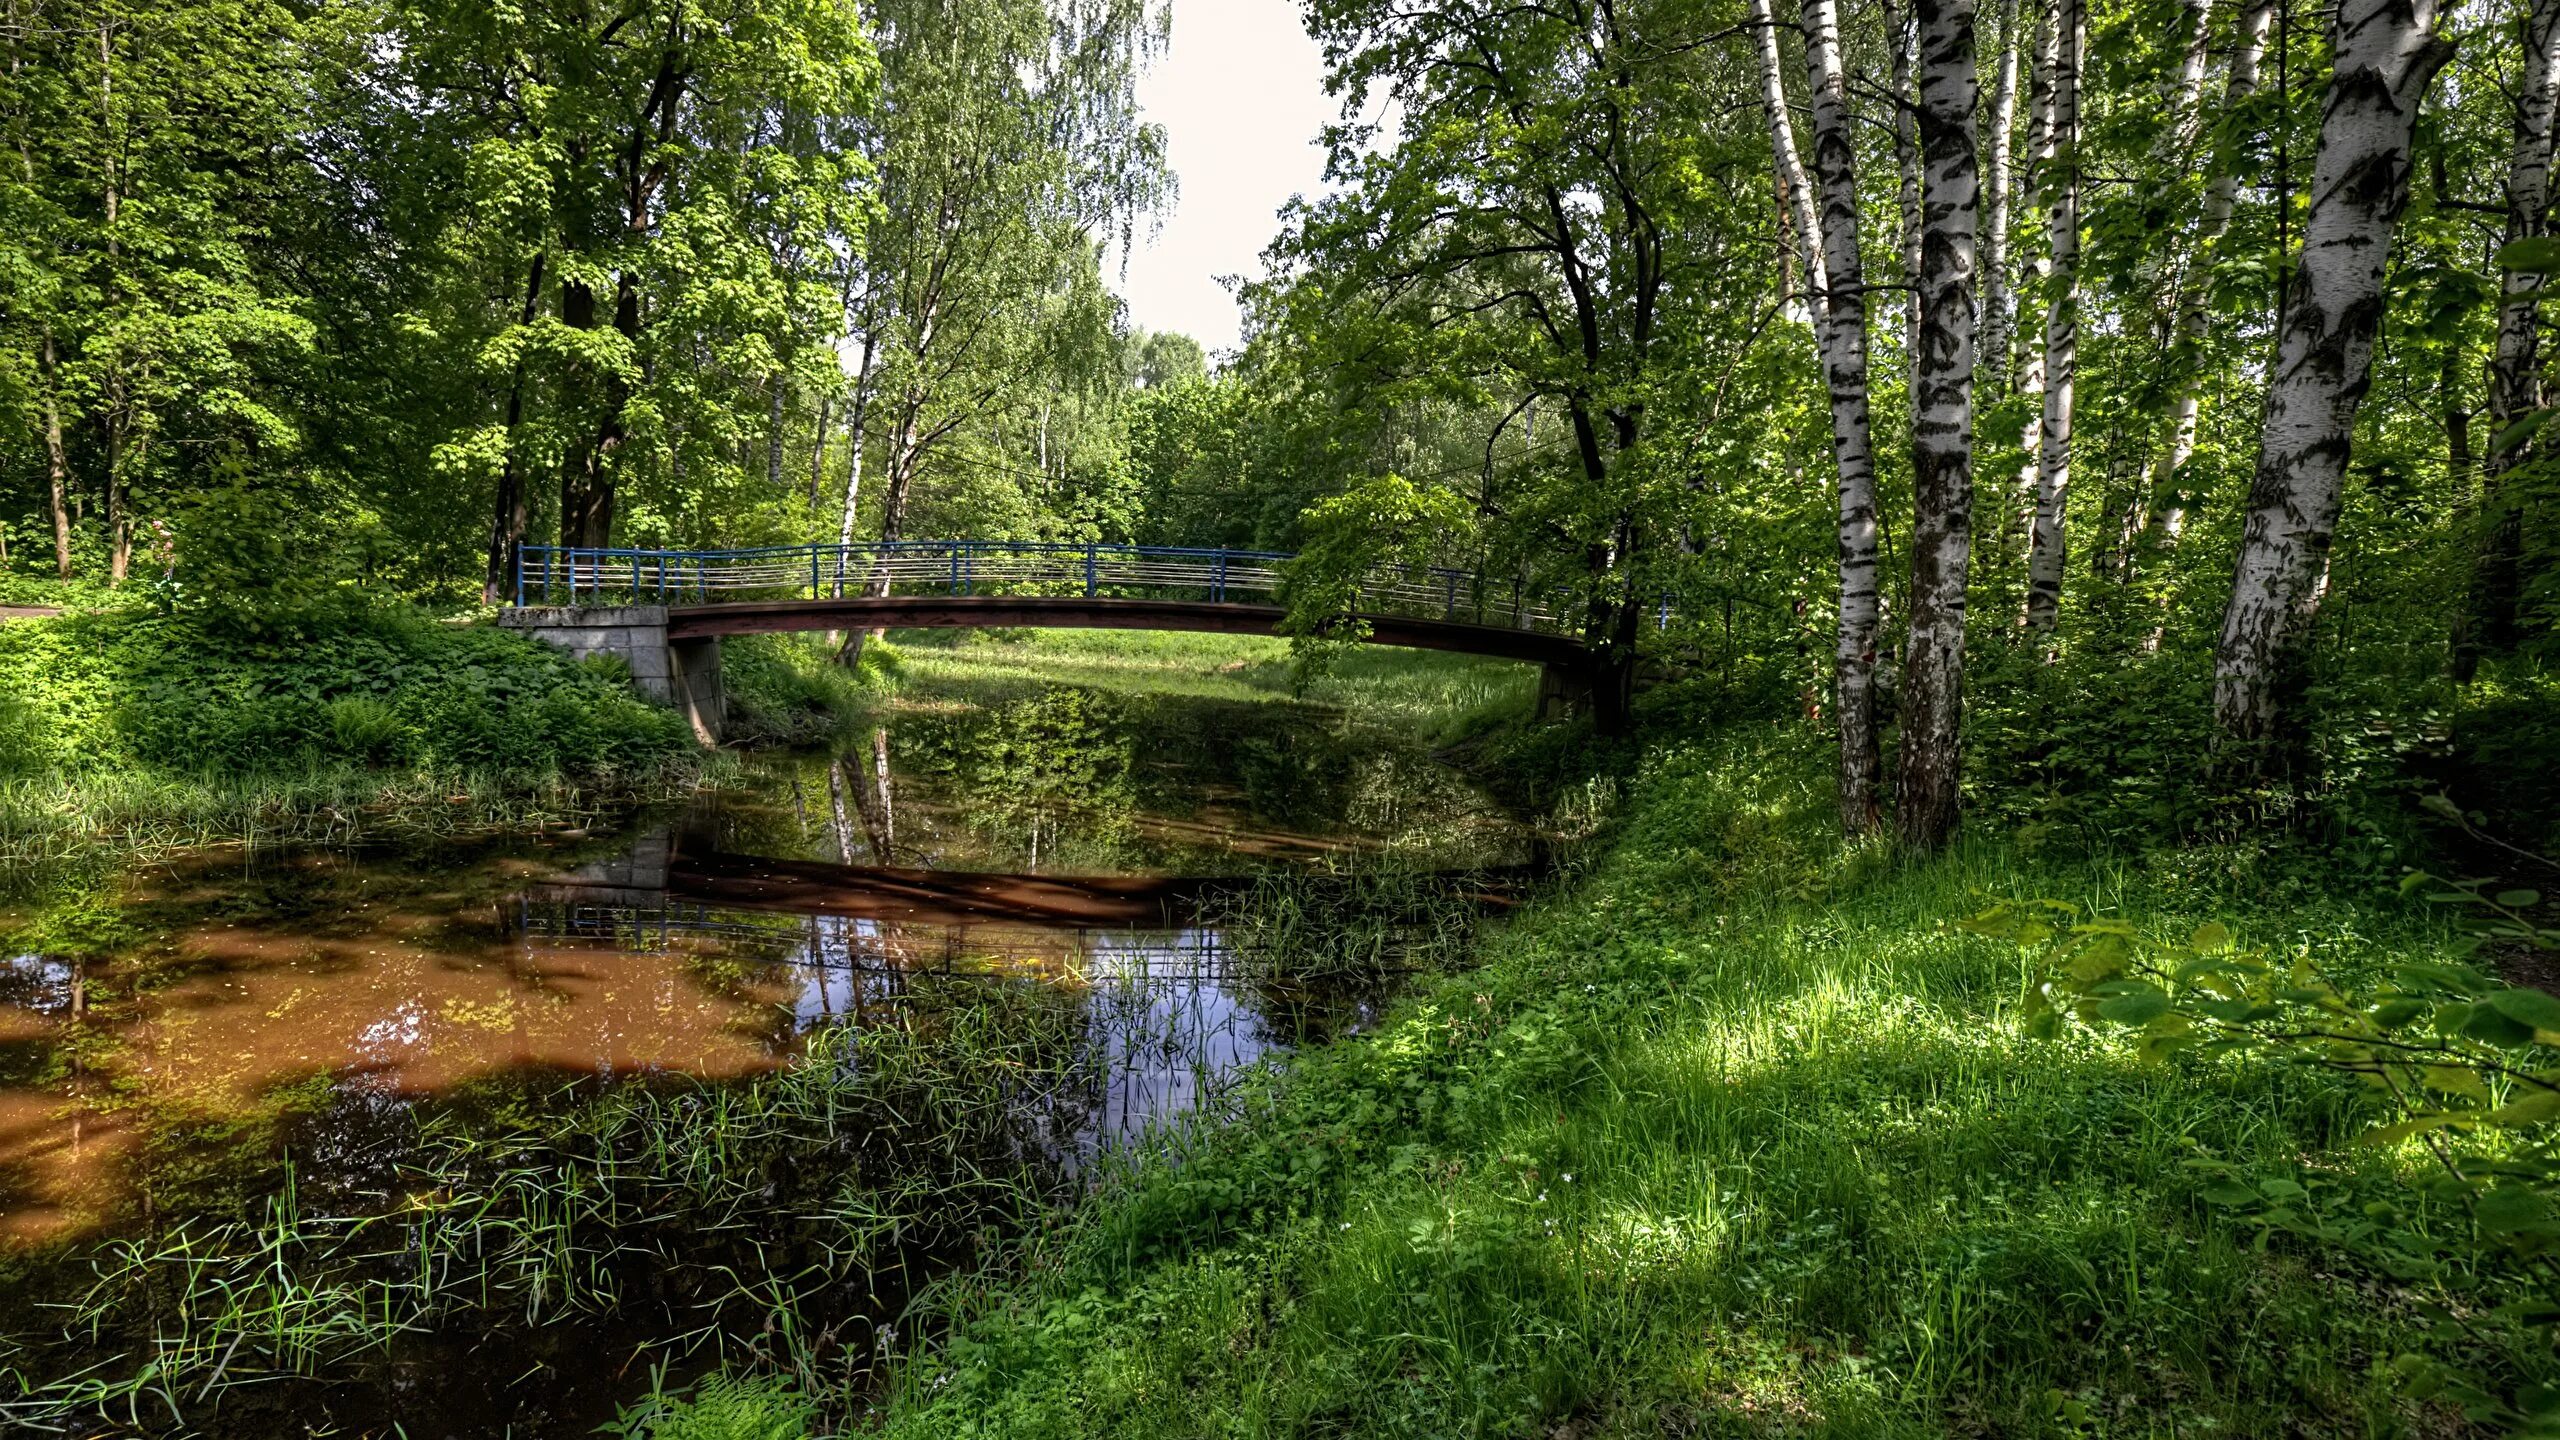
[1220, 593]
[662, 575]
[1089, 549]
[546, 572]
[1450, 611]
[816, 591]
[635, 576]
[515, 552]
[839, 590]
[955, 568]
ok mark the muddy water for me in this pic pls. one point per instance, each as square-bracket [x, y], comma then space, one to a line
[470, 1139]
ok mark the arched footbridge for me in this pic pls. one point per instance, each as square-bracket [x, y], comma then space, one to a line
[664, 611]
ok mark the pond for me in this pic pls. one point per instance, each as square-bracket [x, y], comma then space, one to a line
[490, 1135]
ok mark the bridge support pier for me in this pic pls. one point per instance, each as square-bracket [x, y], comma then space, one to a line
[684, 673]
[1563, 689]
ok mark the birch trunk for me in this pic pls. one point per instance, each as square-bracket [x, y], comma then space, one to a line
[2386, 53]
[1793, 192]
[2195, 313]
[57, 465]
[1996, 300]
[1927, 789]
[2489, 621]
[2048, 539]
[1906, 158]
[1842, 320]
[853, 438]
[2019, 509]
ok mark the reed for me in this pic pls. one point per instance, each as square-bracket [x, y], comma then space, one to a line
[772, 1223]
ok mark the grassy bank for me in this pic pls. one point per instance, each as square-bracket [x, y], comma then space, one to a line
[1442, 697]
[137, 730]
[1732, 1134]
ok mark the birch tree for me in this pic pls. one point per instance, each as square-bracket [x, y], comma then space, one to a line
[2047, 539]
[1996, 298]
[2489, 620]
[2195, 286]
[2385, 54]
[1927, 792]
[1795, 197]
[1842, 320]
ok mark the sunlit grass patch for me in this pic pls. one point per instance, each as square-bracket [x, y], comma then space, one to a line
[1448, 695]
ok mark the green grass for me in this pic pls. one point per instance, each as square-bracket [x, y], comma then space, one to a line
[1730, 1135]
[142, 731]
[1447, 696]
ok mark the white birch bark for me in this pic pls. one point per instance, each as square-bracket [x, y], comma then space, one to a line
[1793, 192]
[1843, 337]
[2019, 509]
[2195, 306]
[2489, 621]
[1996, 300]
[2048, 540]
[1898, 39]
[1927, 787]
[2385, 54]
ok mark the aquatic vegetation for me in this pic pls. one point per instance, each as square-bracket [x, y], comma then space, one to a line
[758, 1219]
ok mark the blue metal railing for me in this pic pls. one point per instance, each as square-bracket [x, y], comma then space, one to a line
[546, 574]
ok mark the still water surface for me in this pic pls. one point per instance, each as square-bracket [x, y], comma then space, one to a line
[623, 1089]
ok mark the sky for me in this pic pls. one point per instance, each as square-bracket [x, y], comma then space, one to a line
[1241, 98]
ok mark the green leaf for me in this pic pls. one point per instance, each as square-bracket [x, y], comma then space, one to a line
[2509, 1208]
[2392, 1014]
[2518, 433]
[2135, 1006]
[2539, 1009]
[2519, 899]
[2534, 254]
[2487, 1022]
[2211, 938]
[2538, 1108]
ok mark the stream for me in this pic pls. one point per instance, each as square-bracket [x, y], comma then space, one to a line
[487, 1135]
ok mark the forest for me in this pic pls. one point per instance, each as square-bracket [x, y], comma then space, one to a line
[2059, 495]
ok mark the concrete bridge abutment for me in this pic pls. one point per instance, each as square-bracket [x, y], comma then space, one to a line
[682, 672]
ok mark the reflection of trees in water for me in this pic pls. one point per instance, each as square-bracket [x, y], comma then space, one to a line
[1032, 770]
[866, 790]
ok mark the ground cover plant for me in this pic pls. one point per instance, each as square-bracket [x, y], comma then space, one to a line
[140, 727]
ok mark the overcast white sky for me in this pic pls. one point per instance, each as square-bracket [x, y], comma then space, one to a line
[1241, 98]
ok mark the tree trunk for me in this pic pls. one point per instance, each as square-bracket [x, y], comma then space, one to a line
[1927, 794]
[2386, 52]
[1841, 320]
[853, 439]
[1898, 39]
[773, 436]
[2048, 540]
[57, 466]
[1996, 300]
[2018, 513]
[509, 518]
[1793, 193]
[2490, 621]
[2195, 305]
